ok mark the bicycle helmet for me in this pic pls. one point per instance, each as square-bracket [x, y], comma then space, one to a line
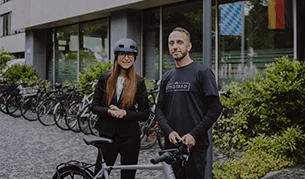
[126, 45]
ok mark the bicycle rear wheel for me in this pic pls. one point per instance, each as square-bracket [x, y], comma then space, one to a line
[45, 112]
[28, 108]
[70, 172]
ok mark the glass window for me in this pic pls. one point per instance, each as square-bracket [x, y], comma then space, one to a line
[246, 40]
[151, 25]
[66, 61]
[244, 53]
[178, 15]
[76, 47]
[188, 16]
[93, 43]
[6, 21]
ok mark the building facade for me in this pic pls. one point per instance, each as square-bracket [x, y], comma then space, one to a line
[62, 38]
[12, 41]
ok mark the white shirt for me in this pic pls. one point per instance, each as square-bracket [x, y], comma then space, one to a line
[119, 87]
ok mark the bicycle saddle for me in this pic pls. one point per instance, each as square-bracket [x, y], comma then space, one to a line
[92, 140]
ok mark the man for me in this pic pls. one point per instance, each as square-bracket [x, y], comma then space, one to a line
[188, 105]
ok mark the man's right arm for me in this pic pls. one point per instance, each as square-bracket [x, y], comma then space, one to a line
[160, 111]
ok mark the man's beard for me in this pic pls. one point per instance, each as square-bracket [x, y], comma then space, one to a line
[180, 57]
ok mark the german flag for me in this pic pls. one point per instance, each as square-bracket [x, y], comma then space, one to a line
[279, 14]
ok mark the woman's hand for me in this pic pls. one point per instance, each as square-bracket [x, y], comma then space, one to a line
[116, 112]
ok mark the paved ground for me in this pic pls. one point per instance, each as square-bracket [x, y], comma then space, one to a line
[29, 150]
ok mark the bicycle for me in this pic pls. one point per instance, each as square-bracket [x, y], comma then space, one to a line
[46, 107]
[77, 169]
[150, 129]
[77, 109]
[64, 102]
[86, 120]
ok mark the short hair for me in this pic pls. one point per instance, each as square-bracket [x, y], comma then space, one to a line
[180, 29]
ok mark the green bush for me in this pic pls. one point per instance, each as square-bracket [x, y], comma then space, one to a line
[88, 76]
[4, 57]
[252, 164]
[271, 103]
[265, 118]
[289, 144]
[21, 72]
[264, 154]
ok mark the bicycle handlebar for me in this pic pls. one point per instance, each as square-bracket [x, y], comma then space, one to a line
[173, 155]
[164, 157]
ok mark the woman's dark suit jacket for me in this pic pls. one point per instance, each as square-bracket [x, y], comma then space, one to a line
[128, 125]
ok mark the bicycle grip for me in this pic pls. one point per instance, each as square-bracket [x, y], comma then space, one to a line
[161, 158]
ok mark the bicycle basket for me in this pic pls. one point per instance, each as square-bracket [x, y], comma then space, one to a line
[28, 91]
[7, 87]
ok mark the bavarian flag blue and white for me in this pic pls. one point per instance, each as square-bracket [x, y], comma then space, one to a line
[231, 18]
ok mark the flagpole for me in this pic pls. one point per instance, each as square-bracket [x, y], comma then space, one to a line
[295, 36]
[243, 40]
[207, 60]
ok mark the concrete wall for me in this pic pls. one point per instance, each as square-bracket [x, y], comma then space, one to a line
[13, 43]
[52, 13]
[126, 24]
[35, 52]
[6, 7]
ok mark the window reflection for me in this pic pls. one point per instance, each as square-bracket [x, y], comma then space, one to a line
[76, 48]
[66, 52]
[93, 43]
[188, 16]
[151, 23]
[261, 44]
[240, 55]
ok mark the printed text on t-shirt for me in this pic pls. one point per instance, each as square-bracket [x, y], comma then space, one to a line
[178, 86]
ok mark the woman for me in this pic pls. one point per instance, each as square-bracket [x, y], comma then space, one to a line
[120, 101]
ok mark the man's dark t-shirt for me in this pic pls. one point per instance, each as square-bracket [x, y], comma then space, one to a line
[183, 103]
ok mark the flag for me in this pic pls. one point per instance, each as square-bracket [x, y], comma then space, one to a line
[231, 18]
[279, 14]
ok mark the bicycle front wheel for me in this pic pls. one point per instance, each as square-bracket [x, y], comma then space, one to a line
[83, 120]
[45, 112]
[92, 121]
[60, 114]
[3, 100]
[70, 172]
[71, 117]
[148, 136]
[13, 105]
[28, 108]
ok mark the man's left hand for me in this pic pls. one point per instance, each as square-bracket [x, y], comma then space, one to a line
[189, 140]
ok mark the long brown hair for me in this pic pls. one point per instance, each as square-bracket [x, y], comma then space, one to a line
[129, 86]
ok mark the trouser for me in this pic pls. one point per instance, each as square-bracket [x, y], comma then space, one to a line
[194, 168]
[127, 147]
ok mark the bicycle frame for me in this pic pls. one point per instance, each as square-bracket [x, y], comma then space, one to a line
[167, 169]
[162, 162]
[168, 172]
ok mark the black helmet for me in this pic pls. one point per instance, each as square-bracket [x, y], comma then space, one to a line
[126, 45]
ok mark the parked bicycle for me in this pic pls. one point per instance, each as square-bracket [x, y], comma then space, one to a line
[76, 113]
[150, 129]
[77, 169]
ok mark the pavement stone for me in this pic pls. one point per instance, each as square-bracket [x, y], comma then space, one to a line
[29, 150]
